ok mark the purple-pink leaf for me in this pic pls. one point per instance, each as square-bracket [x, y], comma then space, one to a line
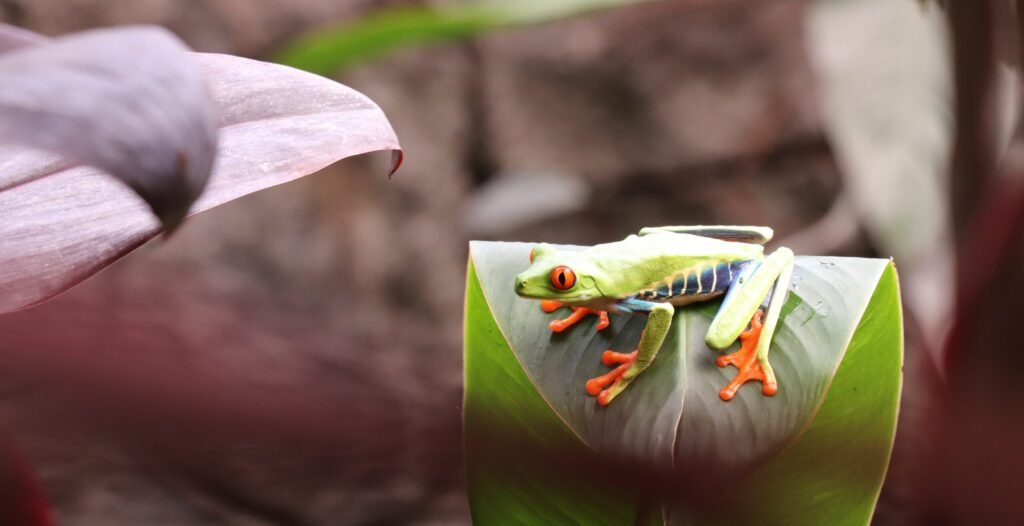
[15, 37]
[64, 223]
[129, 101]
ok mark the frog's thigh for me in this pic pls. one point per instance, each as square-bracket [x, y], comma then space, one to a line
[775, 307]
[744, 297]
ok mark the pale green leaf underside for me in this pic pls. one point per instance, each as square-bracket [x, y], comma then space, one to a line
[672, 417]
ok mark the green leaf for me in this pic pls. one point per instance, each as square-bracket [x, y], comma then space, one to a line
[819, 447]
[503, 412]
[334, 49]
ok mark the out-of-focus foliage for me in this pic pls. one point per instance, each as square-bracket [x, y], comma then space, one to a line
[328, 51]
[542, 451]
[299, 303]
[886, 86]
[976, 423]
[64, 221]
[129, 101]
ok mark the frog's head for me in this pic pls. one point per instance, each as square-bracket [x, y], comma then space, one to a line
[566, 276]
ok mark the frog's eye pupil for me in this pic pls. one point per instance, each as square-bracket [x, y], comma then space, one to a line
[563, 278]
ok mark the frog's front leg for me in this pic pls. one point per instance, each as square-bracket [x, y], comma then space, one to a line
[578, 313]
[630, 365]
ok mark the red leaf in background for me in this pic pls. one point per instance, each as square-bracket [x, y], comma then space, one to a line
[22, 501]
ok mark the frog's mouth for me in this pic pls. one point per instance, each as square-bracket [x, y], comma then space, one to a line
[525, 288]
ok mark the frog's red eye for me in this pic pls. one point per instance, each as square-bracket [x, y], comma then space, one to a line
[563, 278]
[532, 251]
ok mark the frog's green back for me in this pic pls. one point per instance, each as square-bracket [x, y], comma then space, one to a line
[663, 259]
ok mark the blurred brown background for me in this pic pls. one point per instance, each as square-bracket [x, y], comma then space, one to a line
[294, 357]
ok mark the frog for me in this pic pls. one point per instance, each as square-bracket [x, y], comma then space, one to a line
[657, 270]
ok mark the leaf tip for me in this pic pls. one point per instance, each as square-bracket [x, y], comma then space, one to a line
[397, 158]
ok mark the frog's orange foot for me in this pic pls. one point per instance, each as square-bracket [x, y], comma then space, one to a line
[578, 313]
[746, 361]
[606, 386]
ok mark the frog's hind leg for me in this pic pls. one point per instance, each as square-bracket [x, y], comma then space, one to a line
[743, 303]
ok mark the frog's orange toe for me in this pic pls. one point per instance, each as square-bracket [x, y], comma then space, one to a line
[607, 395]
[578, 313]
[594, 386]
[550, 306]
[746, 361]
[611, 358]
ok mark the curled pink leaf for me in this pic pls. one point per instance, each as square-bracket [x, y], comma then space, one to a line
[63, 222]
[12, 37]
[129, 101]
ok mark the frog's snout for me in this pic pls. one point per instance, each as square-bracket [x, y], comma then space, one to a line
[524, 285]
[521, 285]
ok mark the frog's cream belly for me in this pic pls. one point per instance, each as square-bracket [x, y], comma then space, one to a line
[679, 301]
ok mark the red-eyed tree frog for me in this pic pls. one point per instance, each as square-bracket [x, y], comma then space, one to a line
[657, 270]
